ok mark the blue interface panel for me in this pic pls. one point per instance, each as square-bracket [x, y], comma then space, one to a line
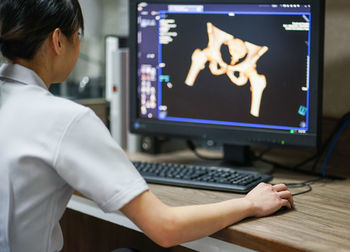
[225, 64]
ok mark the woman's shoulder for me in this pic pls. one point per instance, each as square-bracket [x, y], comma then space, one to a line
[64, 107]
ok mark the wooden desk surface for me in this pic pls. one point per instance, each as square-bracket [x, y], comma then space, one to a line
[319, 222]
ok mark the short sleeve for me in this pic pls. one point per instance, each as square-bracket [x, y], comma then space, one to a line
[89, 159]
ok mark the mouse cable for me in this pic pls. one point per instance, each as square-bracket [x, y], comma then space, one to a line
[309, 189]
[298, 185]
[306, 184]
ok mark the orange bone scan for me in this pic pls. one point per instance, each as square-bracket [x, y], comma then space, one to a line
[240, 73]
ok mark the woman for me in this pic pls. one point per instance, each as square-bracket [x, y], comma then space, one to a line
[50, 145]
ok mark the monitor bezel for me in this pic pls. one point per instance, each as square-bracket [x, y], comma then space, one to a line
[233, 134]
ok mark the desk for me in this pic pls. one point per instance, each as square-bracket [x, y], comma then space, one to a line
[320, 221]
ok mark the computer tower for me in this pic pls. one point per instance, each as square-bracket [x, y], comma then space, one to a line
[117, 82]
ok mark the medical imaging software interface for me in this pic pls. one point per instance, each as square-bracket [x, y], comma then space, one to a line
[225, 64]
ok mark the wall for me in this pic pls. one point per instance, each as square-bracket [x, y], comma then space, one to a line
[116, 17]
[337, 58]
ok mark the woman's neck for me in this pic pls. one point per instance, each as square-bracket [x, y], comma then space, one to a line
[39, 68]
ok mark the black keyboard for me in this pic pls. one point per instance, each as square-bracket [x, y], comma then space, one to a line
[204, 177]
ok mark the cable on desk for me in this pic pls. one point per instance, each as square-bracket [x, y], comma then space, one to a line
[309, 189]
[332, 139]
[259, 156]
[299, 185]
[306, 184]
[193, 148]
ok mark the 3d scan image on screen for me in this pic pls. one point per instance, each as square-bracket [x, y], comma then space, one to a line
[237, 49]
[244, 65]
[242, 68]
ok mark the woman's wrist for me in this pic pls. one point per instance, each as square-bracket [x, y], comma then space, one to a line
[250, 207]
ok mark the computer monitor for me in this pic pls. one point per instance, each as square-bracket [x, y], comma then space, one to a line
[238, 72]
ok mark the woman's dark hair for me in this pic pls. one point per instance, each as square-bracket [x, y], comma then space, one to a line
[25, 24]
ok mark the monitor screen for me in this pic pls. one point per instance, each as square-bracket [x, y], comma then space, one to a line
[233, 72]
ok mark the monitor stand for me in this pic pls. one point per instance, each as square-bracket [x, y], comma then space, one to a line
[241, 157]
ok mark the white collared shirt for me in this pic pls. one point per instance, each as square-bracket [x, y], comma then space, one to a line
[48, 147]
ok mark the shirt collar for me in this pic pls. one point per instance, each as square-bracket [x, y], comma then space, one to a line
[21, 74]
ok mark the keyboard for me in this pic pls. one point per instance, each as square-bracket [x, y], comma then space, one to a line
[203, 177]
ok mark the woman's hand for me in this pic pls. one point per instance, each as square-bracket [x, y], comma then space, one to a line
[267, 199]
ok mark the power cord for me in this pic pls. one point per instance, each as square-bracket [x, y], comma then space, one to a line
[193, 148]
[262, 153]
[332, 139]
[341, 124]
[335, 139]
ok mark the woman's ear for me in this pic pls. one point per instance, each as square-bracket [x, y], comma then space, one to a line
[57, 40]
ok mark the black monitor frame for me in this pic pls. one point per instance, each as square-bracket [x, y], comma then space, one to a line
[232, 135]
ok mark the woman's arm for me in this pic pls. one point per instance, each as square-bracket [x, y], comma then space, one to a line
[170, 226]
